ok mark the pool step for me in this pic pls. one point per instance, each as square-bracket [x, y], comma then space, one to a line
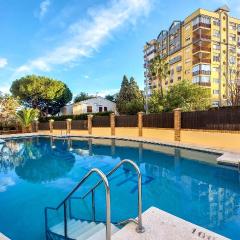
[82, 230]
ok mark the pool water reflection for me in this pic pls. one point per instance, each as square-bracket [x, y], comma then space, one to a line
[38, 172]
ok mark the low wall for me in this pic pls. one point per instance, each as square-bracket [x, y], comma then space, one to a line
[126, 132]
[212, 139]
[159, 133]
[227, 141]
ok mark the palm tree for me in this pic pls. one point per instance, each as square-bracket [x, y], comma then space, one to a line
[160, 69]
[26, 117]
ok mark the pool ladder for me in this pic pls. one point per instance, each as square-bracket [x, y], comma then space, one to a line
[104, 180]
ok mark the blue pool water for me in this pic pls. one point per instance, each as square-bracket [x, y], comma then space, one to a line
[38, 172]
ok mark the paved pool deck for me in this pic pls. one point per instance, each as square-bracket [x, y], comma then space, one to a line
[3, 237]
[162, 225]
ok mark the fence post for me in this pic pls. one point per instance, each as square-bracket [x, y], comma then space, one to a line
[177, 124]
[90, 117]
[34, 126]
[69, 125]
[112, 123]
[140, 124]
[51, 121]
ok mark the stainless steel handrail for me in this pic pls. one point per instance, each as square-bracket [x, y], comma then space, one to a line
[140, 228]
[108, 202]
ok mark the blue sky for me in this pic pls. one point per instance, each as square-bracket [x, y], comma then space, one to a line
[88, 44]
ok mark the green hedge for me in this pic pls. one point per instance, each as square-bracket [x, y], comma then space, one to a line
[73, 117]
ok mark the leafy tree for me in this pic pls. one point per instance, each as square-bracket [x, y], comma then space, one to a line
[160, 69]
[233, 87]
[188, 97]
[42, 93]
[156, 102]
[26, 117]
[111, 98]
[8, 108]
[81, 97]
[130, 99]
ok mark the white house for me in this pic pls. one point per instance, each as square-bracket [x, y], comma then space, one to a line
[92, 105]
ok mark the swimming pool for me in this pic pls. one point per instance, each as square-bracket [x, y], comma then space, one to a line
[39, 171]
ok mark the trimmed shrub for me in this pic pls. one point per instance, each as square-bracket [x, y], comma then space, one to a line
[73, 117]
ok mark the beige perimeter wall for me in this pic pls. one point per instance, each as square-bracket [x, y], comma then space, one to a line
[228, 141]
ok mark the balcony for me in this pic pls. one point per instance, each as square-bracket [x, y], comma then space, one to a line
[202, 25]
[201, 60]
[204, 84]
[204, 37]
[201, 49]
[201, 72]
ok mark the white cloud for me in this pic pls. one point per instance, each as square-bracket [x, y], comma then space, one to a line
[44, 5]
[103, 93]
[86, 36]
[3, 62]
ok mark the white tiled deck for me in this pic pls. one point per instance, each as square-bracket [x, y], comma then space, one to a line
[2, 237]
[162, 225]
[229, 158]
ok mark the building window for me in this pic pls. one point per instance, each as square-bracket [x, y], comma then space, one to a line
[216, 58]
[216, 33]
[216, 46]
[89, 109]
[216, 92]
[232, 26]
[232, 60]
[216, 22]
[232, 49]
[216, 69]
[216, 81]
[179, 78]
[232, 37]
[105, 109]
[188, 60]
[100, 109]
[179, 68]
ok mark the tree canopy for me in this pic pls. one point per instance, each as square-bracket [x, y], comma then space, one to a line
[112, 97]
[159, 68]
[42, 93]
[184, 95]
[130, 99]
[8, 108]
[81, 97]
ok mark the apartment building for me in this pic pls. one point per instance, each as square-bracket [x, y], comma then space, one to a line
[204, 49]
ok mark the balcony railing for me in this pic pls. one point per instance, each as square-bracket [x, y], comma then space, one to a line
[201, 49]
[201, 60]
[201, 72]
[203, 25]
[205, 84]
[199, 37]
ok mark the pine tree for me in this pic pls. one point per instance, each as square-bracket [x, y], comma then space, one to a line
[130, 99]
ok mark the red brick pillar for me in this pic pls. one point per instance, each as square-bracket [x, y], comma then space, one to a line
[69, 125]
[140, 124]
[177, 124]
[90, 117]
[112, 123]
[51, 121]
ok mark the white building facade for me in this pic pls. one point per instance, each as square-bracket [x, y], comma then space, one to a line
[92, 105]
